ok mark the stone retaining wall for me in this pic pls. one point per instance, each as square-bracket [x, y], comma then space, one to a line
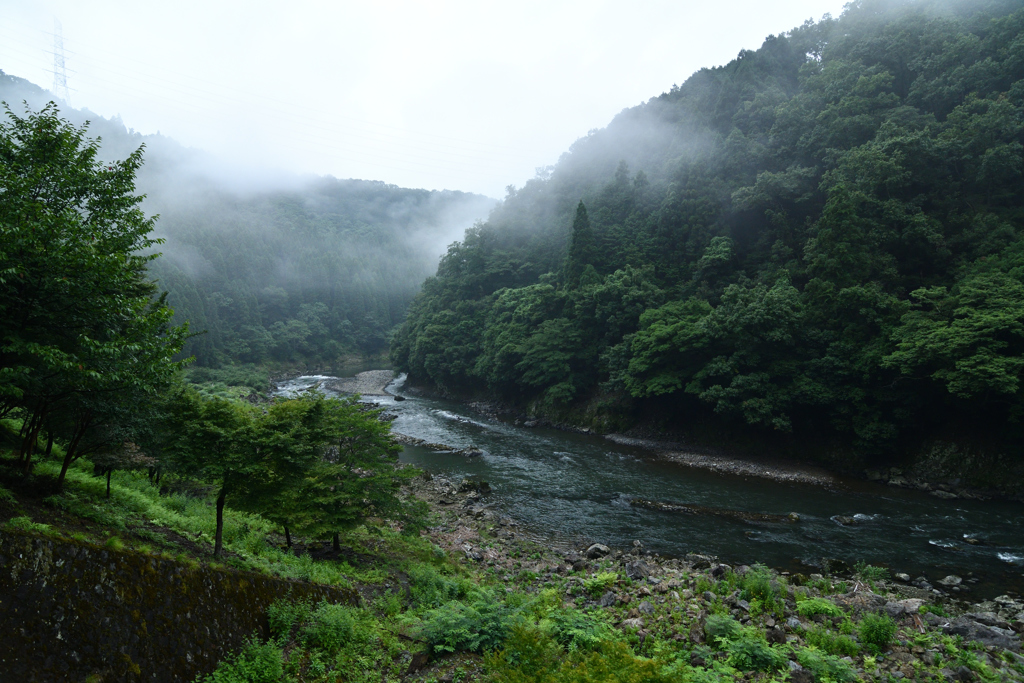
[75, 612]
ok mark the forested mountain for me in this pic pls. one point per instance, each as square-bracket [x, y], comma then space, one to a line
[278, 268]
[822, 238]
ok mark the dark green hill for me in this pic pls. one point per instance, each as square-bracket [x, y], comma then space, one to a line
[818, 243]
[278, 268]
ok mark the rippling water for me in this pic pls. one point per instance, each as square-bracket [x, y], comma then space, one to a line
[576, 489]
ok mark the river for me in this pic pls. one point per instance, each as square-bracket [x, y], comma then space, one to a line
[575, 489]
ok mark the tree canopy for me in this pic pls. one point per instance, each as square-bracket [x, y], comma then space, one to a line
[821, 238]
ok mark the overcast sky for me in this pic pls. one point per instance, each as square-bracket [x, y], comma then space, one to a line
[468, 95]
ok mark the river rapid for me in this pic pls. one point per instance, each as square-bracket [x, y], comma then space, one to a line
[574, 489]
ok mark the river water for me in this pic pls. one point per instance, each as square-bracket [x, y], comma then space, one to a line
[575, 489]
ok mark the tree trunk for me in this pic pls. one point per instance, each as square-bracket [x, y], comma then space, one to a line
[337, 543]
[70, 455]
[218, 542]
[287, 537]
[29, 436]
[108, 483]
[49, 443]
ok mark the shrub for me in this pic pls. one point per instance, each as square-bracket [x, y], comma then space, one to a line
[283, 615]
[256, 663]
[751, 653]
[481, 625]
[429, 588]
[815, 606]
[867, 572]
[877, 630]
[719, 626]
[599, 583]
[825, 666]
[832, 643]
[330, 627]
[575, 630]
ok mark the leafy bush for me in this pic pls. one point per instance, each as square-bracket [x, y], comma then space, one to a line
[612, 663]
[330, 627]
[751, 653]
[26, 524]
[825, 666]
[867, 572]
[575, 630]
[720, 626]
[877, 630]
[481, 625]
[285, 614]
[430, 588]
[599, 583]
[256, 663]
[832, 643]
[814, 606]
[6, 497]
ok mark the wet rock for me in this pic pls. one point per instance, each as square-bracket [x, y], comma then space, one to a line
[988, 619]
[951, 580]
[900, 576]
[699, 561]
[798, 674]
[894, 609]
[860, 601]
[399, 398]
[598, 550]
[637, 570]
[720, 570]
[945, 495]
[986, 635]
[844, 520]
[608, 599]
[912, 605]
[419, 660]
[970, 540]
[793, 517]
[646, 608]
[793, 624]
[934, 620]
[775, 635]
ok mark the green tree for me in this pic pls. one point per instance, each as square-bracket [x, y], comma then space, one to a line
[581, 247]
[80, 323]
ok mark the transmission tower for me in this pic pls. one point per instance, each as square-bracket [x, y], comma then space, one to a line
[60, 74]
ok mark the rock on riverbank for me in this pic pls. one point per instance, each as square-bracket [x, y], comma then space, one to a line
[369, 383]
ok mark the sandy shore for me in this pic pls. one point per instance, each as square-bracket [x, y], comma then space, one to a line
[369, 383]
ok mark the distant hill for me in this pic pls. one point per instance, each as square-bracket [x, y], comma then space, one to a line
[818, 244]
[278, 268]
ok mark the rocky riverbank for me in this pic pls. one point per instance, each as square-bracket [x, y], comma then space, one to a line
[369, 383]
[936, 635]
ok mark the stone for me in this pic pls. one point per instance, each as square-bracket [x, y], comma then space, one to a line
[894, 609]
[720, 570]
[636, 623]
[793, 517]
[608, 599]
[775, 635]
[986, 635]
[945, 495]
[637, 570]
[951, 580]
[912, 605]
[793, 624]
[646, 608]
[598, 550]
[988, 619]
[844, 520]
[708, 596]
[900, 576]
[934, 620]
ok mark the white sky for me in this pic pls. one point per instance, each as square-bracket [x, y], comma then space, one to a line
[457, 95]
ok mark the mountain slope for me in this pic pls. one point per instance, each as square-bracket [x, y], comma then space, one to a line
[818, 244]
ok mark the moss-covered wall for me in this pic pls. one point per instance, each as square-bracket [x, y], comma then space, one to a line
[75, 612]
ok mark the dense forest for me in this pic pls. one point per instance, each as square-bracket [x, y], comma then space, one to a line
[821, 240]
[279, 268]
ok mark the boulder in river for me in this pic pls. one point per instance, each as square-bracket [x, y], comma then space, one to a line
[951, 580]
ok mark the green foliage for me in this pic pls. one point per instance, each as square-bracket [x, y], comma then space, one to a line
[329, 627]
[600, 582]
[429, 587]
[26, 524]
[577, 630]
[482, 624]
[838, 254]
[825, 666]
[256, 663]
[284, 614]
[720, 627]
[877, 630]
[867, 572]
[814, 606]
[751, 653]
[830, 642]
